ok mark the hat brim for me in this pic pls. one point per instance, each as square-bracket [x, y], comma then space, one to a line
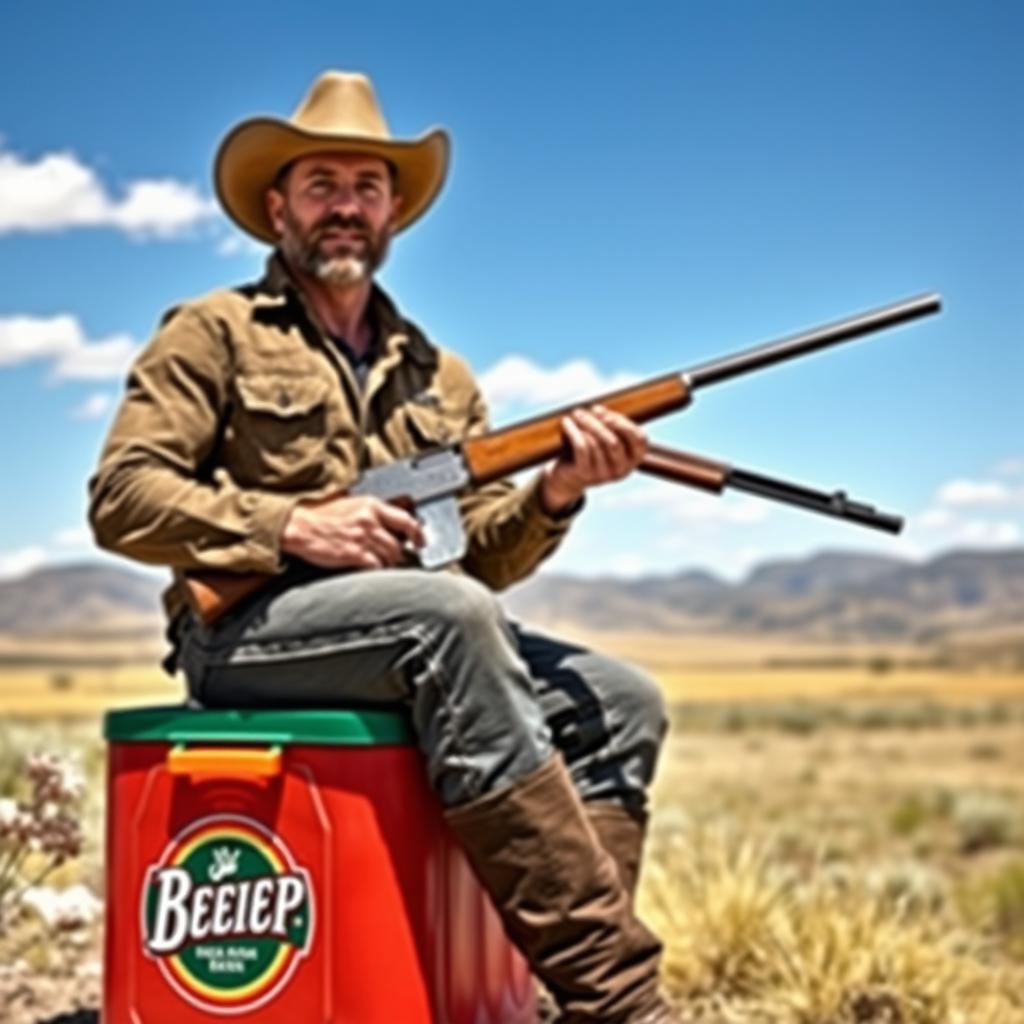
[253, 153]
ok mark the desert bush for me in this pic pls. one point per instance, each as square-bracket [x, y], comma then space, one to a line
[986, 751]
[909, 815]
[999, 712]
[801, 718]
[994, 903]
[40, 828]
[984, 820]
[907, 885]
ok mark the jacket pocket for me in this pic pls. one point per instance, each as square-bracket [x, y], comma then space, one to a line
[281, 427]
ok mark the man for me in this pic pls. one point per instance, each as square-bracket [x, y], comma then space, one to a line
[247, 417]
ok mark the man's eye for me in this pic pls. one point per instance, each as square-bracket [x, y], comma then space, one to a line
[319, 188]
[368, 188]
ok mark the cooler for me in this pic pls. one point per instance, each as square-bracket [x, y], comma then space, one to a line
[286, 866]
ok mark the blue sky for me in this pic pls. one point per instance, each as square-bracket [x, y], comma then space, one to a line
[634, 189]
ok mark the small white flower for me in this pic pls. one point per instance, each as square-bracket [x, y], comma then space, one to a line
[66, 908]
[8, 813]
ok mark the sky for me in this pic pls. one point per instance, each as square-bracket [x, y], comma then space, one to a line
[634, 189]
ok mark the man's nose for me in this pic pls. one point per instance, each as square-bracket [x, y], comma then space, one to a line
[344, 200]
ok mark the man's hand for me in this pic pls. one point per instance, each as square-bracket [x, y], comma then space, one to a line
[360, 532]
[603, 446]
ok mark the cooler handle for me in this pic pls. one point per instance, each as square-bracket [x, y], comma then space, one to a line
[224, 761]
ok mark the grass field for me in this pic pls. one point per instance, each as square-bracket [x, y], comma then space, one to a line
[690, 669]
[838, 834]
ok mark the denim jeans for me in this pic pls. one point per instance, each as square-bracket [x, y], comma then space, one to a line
[490, 700]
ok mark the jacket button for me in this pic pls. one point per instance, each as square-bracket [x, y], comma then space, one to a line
[284, 399]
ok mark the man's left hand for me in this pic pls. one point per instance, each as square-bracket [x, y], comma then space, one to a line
[602, 446]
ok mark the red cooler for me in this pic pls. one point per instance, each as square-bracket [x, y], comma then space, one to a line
[291, 867]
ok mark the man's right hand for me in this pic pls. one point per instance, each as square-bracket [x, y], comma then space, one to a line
[342, 532]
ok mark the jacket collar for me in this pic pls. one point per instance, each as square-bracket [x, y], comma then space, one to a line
[279, 288]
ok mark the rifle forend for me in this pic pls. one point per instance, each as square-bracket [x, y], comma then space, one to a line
[524, 444]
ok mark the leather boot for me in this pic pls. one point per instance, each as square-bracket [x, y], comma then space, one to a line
[561, 899]
[622, 834]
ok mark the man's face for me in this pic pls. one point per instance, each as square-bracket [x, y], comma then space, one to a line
[334, 215]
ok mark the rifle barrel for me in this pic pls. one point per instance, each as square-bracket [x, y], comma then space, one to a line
[836, 504]
[809, 341]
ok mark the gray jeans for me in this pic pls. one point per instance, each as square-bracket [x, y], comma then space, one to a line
[490, 700]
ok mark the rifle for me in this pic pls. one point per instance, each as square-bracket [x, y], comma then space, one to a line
[429, 481]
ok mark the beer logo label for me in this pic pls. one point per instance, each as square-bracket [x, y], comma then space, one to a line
[227, 914]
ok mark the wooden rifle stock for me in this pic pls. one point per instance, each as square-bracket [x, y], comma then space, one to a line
[212, 593]
[529, 442]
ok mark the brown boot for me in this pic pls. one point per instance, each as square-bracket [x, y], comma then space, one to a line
[622, 834]
[561, 899]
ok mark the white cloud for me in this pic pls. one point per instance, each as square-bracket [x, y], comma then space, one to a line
[1010, 467]
[516, 380]
[21, 561]
[62, 340]
[676, 502]
[935, 518]
[97, 360]
[628, 566]
[237, 244]
[94, 407]
[57, 192]
[69, 544]
[985, 533]
[73, 537]
[738, 563]
[973, 492]
[164, 208]
[67, 547]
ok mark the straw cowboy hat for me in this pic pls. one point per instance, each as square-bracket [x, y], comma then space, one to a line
[341, 113]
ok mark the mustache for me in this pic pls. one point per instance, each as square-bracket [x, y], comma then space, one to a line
[336, 220]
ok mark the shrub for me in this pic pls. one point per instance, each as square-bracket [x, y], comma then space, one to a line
[909, 815]
[983, 821]
[39, 831]
[995, 904]
[744, 936]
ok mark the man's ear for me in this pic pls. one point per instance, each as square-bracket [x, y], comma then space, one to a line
[274, 202]
[396, 205]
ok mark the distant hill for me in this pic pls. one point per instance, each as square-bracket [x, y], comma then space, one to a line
[832, 596]
[80, 599]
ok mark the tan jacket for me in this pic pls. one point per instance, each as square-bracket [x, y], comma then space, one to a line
[241, 405]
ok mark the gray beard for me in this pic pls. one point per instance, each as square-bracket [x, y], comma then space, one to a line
[340, 271]
[335, 271]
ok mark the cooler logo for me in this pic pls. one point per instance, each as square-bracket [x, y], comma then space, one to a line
[227, 914]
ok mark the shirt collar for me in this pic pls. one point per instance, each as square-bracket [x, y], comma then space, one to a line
[278, 287]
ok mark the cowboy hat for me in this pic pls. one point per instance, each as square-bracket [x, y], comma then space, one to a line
[339, 113]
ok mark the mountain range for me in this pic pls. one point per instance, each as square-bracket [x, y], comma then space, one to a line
[833, 596]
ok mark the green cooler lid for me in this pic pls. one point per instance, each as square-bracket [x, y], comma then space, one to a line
[350, 727]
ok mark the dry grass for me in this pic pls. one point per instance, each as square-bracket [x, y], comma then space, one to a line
[757, 684]
[831, 844]
[754, 942]
[68, 690]
[834, 877]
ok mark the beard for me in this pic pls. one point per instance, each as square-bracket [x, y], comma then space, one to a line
[358, 260]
